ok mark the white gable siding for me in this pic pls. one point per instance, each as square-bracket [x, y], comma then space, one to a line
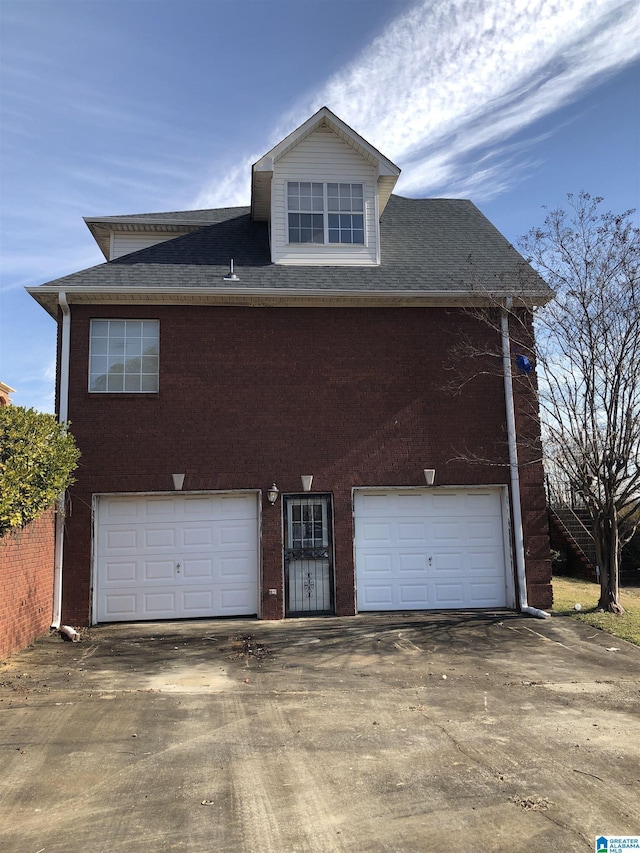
[323, 156]
[123, 244]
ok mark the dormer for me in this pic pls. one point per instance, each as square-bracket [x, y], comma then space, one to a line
[323, 190]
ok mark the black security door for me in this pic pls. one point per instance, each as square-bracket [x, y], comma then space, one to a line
[308, 555]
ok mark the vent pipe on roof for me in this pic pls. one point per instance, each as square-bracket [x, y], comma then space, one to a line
[231, 276]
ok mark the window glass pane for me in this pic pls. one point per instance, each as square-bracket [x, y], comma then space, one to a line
[99, 364]
[115, 383]
[98, 383]
[133, 328]
[149, 382]
[132, 383]
[132, 365]
[116, 328]
[116, 346]
[116, 365]
[133, 346]
[99, 328]
[150, 364]
[99, 346]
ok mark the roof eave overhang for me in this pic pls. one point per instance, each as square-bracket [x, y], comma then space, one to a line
[102, 227]
[262, 297]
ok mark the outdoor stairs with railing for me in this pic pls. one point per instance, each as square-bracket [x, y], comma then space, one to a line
[571, 526]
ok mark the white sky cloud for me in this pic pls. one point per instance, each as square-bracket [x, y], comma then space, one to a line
[447, 83]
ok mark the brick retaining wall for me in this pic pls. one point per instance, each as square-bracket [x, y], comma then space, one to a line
[26, 583]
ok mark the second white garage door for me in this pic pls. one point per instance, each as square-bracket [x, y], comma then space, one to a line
[431, 549]
[176, 556]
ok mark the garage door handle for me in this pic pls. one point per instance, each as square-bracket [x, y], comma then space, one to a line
[178, 568]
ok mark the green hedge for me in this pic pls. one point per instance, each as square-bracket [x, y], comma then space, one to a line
[37, 459]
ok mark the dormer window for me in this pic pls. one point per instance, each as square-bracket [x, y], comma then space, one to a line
[325, 212]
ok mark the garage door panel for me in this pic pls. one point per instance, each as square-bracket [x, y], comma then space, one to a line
[197, 569]
[118, 572]
[450, 557]
[119, 539]
[240, 566]
[452, 562]
[156, 570]
[483, 594]
[413, 596]
[446, 532]
[411, 562]
[414, 531]
[120, 606]
[154, 508]
[448, 595]
[160, 538]
[378, 564]
[194, 537]
[378, 597]
[176, 556]
[197, 602]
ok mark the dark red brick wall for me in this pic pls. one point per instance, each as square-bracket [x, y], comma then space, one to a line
[26, 579]
[250, 396]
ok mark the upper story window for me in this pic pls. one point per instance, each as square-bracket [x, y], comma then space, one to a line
[123, 356]
[325, 213]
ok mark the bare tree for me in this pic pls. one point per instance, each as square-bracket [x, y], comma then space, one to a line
[588, 360]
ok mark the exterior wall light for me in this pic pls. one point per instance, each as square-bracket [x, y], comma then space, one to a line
[178, 481]
[307, 479]
[429, 476]
[272, 494]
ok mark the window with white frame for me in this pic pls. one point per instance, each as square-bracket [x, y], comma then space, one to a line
[124, 356]
[325, 213]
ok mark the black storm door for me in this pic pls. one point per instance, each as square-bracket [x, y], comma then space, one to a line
[308, 555]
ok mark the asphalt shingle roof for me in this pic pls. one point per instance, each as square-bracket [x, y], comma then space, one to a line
[427, 246]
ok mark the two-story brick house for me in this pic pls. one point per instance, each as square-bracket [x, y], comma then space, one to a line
[317, 363]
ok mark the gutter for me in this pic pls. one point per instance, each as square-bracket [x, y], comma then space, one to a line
[63, 416]
[244, 294]
[516, 504]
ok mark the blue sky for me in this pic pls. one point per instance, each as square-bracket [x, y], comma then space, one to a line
[148, 105]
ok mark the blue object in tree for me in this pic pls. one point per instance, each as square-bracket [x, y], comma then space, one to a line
[523, 364]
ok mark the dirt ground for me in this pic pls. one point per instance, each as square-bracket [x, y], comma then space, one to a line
[403, 732]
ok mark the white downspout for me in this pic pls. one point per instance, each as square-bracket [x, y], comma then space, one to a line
[513, 466]
[63, 416]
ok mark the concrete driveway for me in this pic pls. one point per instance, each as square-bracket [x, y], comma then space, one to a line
[462, 732]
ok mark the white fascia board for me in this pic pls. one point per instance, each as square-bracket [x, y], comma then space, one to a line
[277, 297]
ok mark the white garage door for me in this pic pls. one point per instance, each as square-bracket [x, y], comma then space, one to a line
[176, 556]
[433, 549]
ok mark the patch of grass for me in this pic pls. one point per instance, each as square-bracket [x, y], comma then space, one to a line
[567, 592]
